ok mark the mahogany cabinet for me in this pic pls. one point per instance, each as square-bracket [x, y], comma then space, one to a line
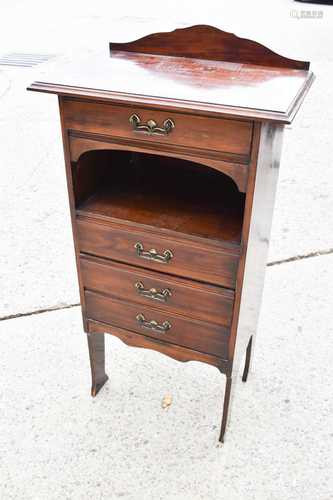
[172, 147]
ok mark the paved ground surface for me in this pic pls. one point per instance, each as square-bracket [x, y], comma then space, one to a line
[58, 443]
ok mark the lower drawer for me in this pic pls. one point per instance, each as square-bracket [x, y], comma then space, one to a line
[149, 288]
[172, 328]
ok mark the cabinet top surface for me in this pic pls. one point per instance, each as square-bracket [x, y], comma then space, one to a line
[199, 68]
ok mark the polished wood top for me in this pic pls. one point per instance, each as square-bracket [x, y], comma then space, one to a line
[272, 89]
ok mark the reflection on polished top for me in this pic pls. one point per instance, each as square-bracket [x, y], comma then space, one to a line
[273, 88]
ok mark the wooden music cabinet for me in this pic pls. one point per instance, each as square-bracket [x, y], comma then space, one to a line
[172, 146]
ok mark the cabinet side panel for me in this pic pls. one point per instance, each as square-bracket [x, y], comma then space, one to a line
[70, 189]
[251, 276]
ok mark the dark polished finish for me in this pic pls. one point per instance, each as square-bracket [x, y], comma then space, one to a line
[195, 300]
[226, 402]
[96, 344]
[232, 137]
[235, 166]
[158, 344]
[172, 147]
[207, 42]
[202, 261]
[188, 332]
[217, 74]
[247, 360]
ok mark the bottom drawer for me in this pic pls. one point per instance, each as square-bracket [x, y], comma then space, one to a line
[207, 303]
[175, 329]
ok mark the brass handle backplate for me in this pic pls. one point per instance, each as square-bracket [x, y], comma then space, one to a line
[153, 325]
[152, 293]
[152, 254]
[151, 127]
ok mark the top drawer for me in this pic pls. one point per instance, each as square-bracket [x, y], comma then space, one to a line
[192, 131]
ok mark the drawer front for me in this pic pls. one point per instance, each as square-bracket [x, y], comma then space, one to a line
[215, 134]
[213, 265]
[204, 302]
[171, 328]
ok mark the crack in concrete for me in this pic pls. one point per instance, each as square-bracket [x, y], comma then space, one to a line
[9, 85]
[70, 306]
[300, 257]
[39, 311]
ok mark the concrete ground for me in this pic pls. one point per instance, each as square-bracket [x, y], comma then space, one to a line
[55, 441]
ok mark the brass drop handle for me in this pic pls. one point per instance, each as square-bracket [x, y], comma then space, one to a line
[151, 127]
[153, 325]
[152, 293]
[152, 254]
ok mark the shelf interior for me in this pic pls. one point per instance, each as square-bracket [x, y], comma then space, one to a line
[162, 192]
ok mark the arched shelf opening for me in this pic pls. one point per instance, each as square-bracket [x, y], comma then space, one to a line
[168, 193]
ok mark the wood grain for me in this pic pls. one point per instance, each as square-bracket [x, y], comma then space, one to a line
[176, 193]
[208, 42]
[246, 80]
[193, 334]
[204, 263]
[194, 300]
[263, 179]
[96, 345]
[234, 166]
[174, 351]
[231, 136]
[162, 192]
